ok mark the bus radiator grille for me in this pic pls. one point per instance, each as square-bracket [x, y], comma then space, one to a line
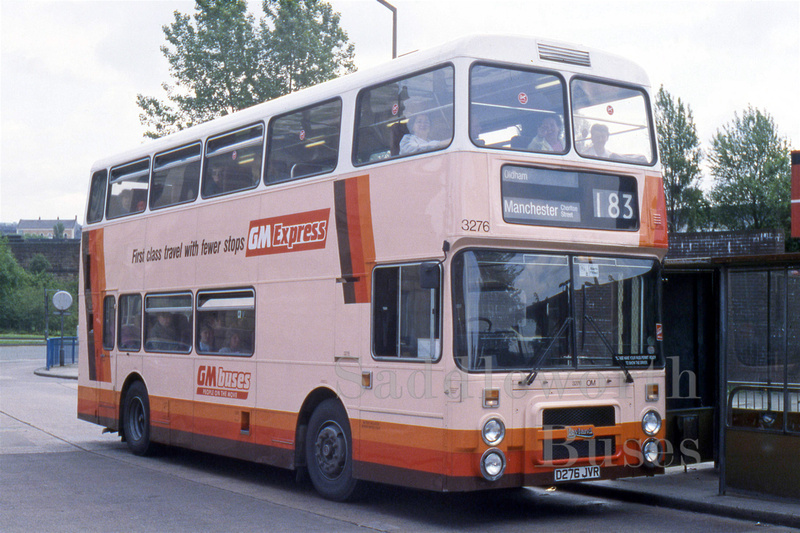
[560, 449]
[561, 417]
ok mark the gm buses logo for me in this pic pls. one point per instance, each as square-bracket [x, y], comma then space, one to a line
[289, 233]
[220, 383]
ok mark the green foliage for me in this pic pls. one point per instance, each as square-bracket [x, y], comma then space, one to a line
[221, 60]
[58, 230]
[39, 264]
[23, 295]
[306, 45]
[680, 158]
[752, 174]
[11, 274]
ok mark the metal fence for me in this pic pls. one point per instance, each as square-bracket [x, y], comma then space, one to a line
[54, 351]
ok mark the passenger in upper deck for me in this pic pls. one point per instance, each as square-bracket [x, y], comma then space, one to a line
[217, 183]
[599, 139]
[548, 136]
[417, 141]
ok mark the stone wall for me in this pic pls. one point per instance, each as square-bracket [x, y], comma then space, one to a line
[64, 255]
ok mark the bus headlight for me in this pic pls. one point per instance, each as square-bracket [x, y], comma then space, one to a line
[651, 452]
[493, 431]
[493, 464]
[651, 423]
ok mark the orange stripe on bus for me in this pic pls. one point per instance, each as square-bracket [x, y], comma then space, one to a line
[102, 363]
[367, 240]
[355, 236]
[653, 226]
[432, 450]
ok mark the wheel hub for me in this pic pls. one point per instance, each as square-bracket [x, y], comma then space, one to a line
[331, 450]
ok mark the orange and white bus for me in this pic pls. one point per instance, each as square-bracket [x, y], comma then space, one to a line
[441, 273]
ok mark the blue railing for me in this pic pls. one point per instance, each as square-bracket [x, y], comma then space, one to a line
[54, 351]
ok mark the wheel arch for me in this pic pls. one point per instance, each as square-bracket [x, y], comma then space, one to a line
[130, 380]
[314, 398]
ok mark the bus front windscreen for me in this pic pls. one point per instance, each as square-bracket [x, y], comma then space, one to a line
[525, 311]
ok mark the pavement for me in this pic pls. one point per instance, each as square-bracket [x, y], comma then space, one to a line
[694, 488]
[63, 372]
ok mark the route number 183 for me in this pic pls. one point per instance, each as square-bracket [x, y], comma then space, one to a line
[613, 204]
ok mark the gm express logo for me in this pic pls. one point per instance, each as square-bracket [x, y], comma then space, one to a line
[220, 383]
[289, 233]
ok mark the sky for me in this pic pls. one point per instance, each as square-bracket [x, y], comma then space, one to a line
[70, 70]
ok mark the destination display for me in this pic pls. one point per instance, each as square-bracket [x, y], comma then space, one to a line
[547, 197]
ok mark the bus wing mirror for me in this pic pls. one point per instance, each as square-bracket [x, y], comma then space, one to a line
[429, 275]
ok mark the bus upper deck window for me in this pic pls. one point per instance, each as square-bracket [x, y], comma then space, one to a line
[97, 197]
[404, 117]
[127, 189]
[176, 177]
[304, 142]
[233, 161]
[516, 109]
[612, 122]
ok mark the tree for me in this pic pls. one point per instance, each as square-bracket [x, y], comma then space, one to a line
[750, 166]
[222, 61]
[680, 159]
[306, 43]
[11, 273]
[58, 230]
[22, 294]
[39, 264]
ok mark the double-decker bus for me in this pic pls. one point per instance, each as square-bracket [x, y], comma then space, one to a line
[440, 273]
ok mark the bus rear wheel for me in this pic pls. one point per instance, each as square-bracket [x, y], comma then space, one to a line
[136, 419]
[329, 453]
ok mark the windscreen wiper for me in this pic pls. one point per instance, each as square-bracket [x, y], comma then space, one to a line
[535, 369]
[620, 362]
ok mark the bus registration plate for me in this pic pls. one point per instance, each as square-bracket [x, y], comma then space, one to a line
[577, 473]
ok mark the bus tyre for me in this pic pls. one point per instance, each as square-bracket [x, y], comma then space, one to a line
[136, 419]
[329, 454]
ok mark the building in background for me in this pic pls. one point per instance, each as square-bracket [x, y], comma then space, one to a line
[47, 228]
[8, 228]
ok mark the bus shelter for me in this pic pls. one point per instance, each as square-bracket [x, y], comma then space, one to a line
[760, 375]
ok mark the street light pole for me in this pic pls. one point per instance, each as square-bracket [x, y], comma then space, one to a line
[394, 25]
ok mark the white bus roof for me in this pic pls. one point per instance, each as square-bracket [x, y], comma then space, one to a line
[512, 50]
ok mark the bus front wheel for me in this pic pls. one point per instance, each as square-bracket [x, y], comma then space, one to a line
[136, 419]
[329, 453]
